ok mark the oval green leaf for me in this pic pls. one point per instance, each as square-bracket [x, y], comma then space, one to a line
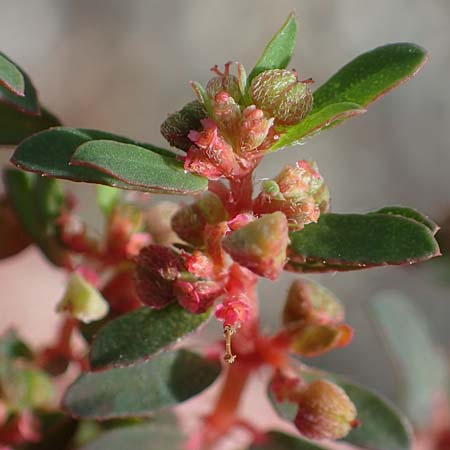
[356, 241]
[140, 334]
[315, 122]
[279, 50]
[138, 437]
[138, 166]
[142, 389]
[410, 213]
[371, 75]
[11, 77]
[20, 95]
[421, 369]
[382, 425]
[15, 126]
[282, 441]
[49, 153]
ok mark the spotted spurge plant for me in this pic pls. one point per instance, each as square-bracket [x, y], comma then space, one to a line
[160, 271]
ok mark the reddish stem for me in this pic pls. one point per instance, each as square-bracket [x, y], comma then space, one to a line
[241, 193]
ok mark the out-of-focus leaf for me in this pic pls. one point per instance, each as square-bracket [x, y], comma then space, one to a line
[11, 77]
[34, 201]
[139, 166]
[423, 371]
[22, 99]
[13, 237]
[140, 334]
[315, 122]
[382, 425]
[50, 152]
[15, 125]
[144, 436]
[142, 389]
[12, 347]
[107, 198]
[356, 241]
[277, 440]
[371, 75]
[279, 50]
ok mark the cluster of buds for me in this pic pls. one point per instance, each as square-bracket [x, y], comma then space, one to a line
[230, 127]
[313, 320]
[298, 191]
[324, 409]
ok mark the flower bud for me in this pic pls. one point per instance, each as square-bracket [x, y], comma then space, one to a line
[157, 270]
[280, 94]
[189, 222]
[312, 303]
[260, 245]
[224, 82]
[254, 129]
[82, 300]
[234, 311]
[325, 411]
[227, 113]
[197, 296]
[178, 125]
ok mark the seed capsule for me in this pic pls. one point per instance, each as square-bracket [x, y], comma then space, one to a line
[177, 126]
[282, 96]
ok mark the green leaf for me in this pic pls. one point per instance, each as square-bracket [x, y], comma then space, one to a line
[356, 241]
[138, 437]
[35, 201]
[12, 346]
[139, 166]
[11, 77]
[140, 334]
[382, 425]
[142, 389]
[23, 99]
[371, 75]
[315, 122]
[277, 440]
[279, 50]
[422, 370]
[107, 198]
[50, 151]
[410, 213]
[15, 125]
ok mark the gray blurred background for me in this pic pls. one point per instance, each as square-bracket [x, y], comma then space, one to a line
[122, 66]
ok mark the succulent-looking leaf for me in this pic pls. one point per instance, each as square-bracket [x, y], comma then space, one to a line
[20, 94]
[140, 334]
[11, 77]
[371, 75]
[142, 389]
[143, 436]
[316, 121]
[277, 440]
[421, 368]
[34, 200]
[137, 165]
[278, 51]
[12, 346]
[356, 241]
[50, 151]
[382, 425]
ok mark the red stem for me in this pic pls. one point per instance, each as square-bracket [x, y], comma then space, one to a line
[241, 192]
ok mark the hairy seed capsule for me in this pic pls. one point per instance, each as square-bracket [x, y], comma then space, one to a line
[177, 126]
[282, 96]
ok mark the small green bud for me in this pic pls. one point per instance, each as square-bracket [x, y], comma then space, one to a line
[224, 82]
[282, 96]
[177, 126]
[83, 301]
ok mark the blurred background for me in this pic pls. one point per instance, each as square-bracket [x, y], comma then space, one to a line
[122, 66]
